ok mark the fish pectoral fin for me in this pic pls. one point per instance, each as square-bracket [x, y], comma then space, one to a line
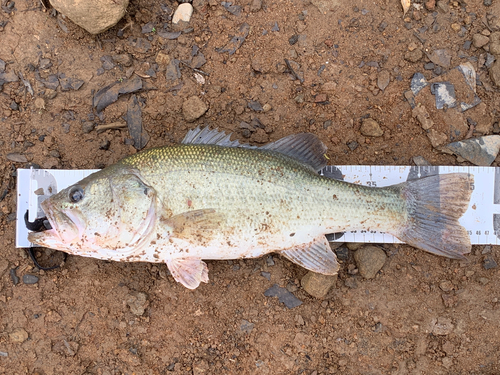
[195, 226]
[316, 256]
[190, 272]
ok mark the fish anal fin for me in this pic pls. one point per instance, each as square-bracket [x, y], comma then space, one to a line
[190, 272]
[316, 256]
[195, 226]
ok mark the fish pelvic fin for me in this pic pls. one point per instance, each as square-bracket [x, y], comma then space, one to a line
[190, 272]
[316, 256]
[434, 205]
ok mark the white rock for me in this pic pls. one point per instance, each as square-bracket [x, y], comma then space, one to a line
[183, 13]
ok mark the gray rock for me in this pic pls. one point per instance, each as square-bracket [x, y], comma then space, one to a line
[134, 124]
[193, 108]
[418, 82]
[495, 72]
[9, 76]
[173, 71]
[441, 57]
[318, 285]
[87, 126]
[17, 157]
[489, 262]
[283, 295]
[369, 259]
[342, 252]
[371, 128]
[267, 275]
[13, 276]
[480, 151]
[30, 279]
[95, 16]
[479, 40]
[383, 79]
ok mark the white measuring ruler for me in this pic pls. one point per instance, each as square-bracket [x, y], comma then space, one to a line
[482, 219]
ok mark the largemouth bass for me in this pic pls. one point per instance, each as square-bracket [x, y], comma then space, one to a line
[213, 198]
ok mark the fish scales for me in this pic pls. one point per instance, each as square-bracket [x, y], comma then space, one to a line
[212, 198]
[276, 191]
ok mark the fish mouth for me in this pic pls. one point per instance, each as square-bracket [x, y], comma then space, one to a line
[65, 226]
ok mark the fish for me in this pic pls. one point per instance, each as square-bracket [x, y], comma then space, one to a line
[211, 198]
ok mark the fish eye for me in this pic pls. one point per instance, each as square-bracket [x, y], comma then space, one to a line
[76, 194]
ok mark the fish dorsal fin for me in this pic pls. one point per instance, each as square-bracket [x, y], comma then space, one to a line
[316, 256]
[206, 136]
[305, 147]
[190, 272]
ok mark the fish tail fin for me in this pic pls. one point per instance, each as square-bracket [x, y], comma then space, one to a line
[434, 205]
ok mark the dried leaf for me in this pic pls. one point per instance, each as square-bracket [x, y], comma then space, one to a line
[406, 5]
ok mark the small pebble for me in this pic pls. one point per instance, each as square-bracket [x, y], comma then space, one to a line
[342, 253]
[318, 285]
[293, 39]
[17, 157]
[446, 286]
[30, 279]
[87, 127]
[183, 13]
[267, 275]
[353, 145]
[18, 335]
[370, 260]
[13, 276]
[383, 79]
[371, 128]
[270, 261]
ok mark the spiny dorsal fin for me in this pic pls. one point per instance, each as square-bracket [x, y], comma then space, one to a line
[304, 147]
[206, 136]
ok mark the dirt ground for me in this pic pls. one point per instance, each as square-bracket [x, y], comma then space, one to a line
[420, 315]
